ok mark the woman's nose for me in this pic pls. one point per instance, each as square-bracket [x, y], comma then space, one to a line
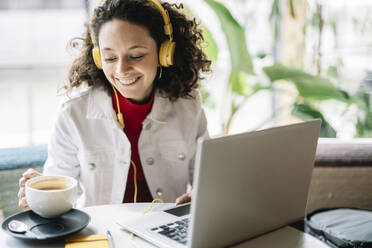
[122, 67]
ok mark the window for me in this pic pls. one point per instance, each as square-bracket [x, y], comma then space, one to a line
[33, 64]
[41, 4]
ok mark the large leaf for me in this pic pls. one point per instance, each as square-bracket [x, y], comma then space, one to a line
[305, 112]
[279, 71]
[241, 60]
[240, 86]
[292, 9]
[364, 120]
[207, 99]
[239, 83]
[275, 16]
[308, 86]
[210, 46]
[317, 89]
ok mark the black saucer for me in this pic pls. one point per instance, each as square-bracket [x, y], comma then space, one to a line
[42, 228]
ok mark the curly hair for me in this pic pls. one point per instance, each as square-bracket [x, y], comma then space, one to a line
[177, 80]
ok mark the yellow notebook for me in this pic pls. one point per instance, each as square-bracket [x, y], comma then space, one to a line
[90, 241]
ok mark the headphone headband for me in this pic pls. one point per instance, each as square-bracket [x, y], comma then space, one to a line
[168, 30]
[167, 48]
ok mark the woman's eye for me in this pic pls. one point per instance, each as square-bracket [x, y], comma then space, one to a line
[137, 57]
[109, 59]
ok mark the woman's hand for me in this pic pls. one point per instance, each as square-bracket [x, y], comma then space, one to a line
[183, 198]
[30, 173]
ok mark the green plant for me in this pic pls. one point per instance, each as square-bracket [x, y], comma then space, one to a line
[319, 22]
[240, 61]
[364, 118]
[310, 89]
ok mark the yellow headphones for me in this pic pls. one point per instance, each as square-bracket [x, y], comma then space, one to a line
[167, 48]
[119, 114]
[96, 53]
[166, 52]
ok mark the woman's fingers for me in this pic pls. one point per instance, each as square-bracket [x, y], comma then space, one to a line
[183, 199]
[22, 181]
[30, 173]
[22, 202]
[21, 192]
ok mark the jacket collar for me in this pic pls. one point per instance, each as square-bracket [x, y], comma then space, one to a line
[159, 109]
[100, 106]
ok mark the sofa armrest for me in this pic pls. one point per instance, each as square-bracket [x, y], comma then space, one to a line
[13, 162]
[342, 175]
[23, 157]
[336, 152]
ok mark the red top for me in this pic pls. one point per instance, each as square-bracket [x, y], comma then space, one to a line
[134, 114]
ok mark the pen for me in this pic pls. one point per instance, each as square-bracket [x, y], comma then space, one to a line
[109, 238]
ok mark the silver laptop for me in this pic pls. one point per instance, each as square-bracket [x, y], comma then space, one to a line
[244, 185]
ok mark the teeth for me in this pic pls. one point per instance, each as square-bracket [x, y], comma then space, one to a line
[127, 81]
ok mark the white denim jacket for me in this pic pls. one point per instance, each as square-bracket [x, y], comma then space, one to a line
[88, 144]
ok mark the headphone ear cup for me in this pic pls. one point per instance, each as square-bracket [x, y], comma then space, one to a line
[97, 57]
[166, 53]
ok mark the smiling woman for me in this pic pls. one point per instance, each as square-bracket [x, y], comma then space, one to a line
[141, 61]
[176, 81]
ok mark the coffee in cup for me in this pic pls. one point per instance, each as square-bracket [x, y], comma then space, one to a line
[51, 196]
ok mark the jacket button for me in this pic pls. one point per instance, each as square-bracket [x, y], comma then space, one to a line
[148, 126]
[91, 166]
[159, 192]
[150, 161]
[181, 156]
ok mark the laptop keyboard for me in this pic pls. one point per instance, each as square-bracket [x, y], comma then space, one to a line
[175, 230]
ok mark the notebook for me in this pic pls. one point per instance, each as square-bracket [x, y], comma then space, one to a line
[245, 185]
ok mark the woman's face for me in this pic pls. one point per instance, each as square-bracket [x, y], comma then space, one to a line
[129, 58]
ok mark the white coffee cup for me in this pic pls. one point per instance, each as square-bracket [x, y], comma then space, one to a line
[51, 196]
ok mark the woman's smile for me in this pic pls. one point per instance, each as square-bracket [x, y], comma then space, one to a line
[128, 81]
